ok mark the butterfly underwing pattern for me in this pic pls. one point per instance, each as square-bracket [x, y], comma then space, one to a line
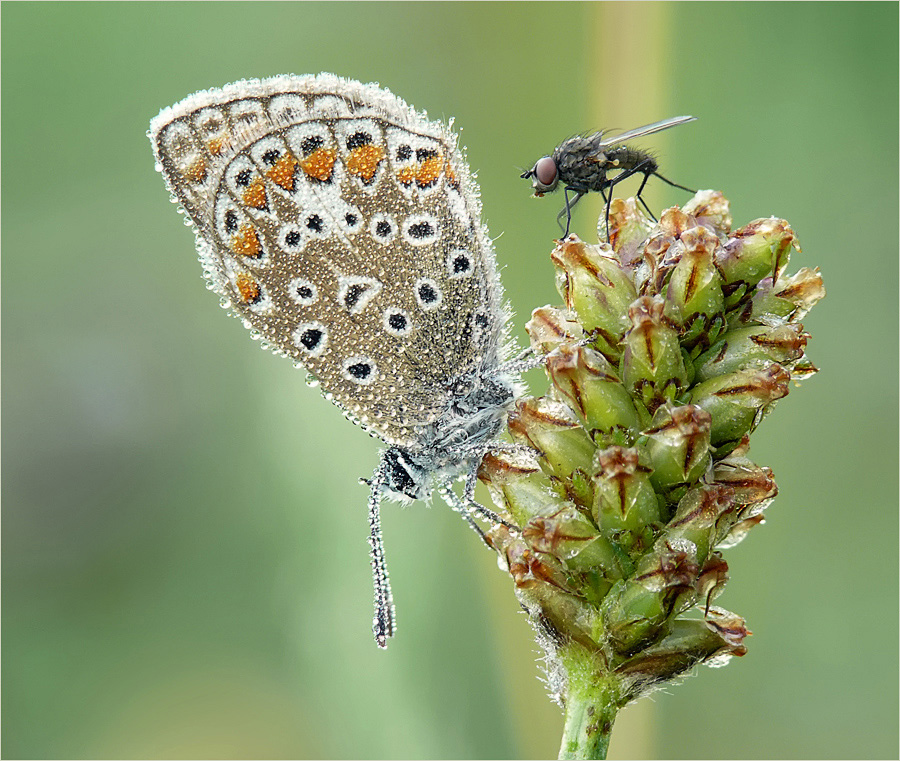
[344, 229]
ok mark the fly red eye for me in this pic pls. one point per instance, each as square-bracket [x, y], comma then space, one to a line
[545, 171]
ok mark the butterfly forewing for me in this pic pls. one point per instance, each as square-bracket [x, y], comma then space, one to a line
[341, 228]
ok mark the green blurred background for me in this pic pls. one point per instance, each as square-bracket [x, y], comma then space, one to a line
[184, 558]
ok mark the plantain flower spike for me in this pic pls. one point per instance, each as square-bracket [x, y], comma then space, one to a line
[631, 474]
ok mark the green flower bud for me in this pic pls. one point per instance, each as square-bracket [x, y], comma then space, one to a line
[590, 386]
[699, 516]
[573, 540]
[541, 586]
[549, 327]
[712, 578]
[753, 491]
[552, 429]
[626, 507]
[711, 209]
[636, 610]
[694, 300]
[662, 250]
[730, 627]
[687, 644]
[749, 483]
[560, 618]
[628, 229]
[678, 445]
[751, 347]
[517, 482]
[735, 400]
[652, 363]
[738, 532]
[673, 222]
[597, 289]
[787, 300]
[753, 252]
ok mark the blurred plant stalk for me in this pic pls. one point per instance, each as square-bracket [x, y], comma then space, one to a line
[674, 342]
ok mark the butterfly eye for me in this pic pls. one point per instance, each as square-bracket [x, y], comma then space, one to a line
[545, 174]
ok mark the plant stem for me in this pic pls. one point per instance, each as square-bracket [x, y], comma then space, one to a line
[591, 706]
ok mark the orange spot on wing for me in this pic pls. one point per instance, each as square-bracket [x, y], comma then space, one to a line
[255, 195]
[406, 175]
[282, 173]
[215, 145]
[429, 171]
[319, 163]
[196, 172]
[248, 288]
[363, 161]
[246, 242]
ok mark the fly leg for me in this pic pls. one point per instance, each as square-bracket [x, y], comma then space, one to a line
[608, 200]
[668, 182]
[643, 166]
[673, 184]
[641, 198]
[567, 210]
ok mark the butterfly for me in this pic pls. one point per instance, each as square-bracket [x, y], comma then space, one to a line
[344, 229]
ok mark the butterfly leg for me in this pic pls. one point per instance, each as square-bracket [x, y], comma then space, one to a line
[469, 496]
[513, 448]
[524, 354]
[384, 623]
[524, 362]
[459, 506]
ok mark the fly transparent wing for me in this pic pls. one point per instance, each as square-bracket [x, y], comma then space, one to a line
[649, 129]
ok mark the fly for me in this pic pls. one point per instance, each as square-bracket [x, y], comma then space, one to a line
[582, 164]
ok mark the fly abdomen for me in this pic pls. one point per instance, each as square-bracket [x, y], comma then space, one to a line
[629, 160]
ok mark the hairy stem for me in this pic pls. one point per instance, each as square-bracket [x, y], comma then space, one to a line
[591, 706]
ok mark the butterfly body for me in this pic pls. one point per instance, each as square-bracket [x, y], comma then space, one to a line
[344, 229]
[454, 443]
